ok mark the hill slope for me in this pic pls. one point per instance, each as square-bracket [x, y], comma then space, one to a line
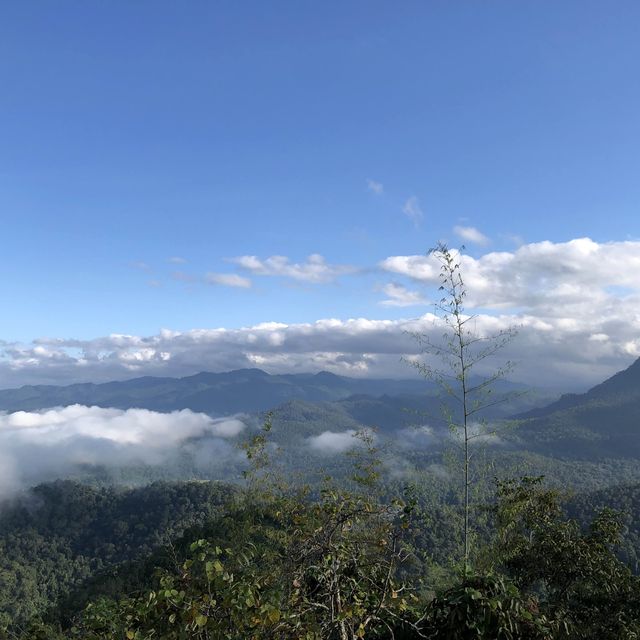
[603, 422]
[59, 534]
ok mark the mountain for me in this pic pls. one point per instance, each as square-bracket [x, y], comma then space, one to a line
[603, 422]
[622, 387]
[243, 390]
[239, 391]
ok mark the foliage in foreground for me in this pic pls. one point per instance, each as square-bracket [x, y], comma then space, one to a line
[339, 567]
[287, 564]
[313, 570]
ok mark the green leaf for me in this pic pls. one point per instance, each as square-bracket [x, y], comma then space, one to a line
[201, 620]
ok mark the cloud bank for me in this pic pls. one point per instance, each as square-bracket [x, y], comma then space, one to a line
[43, 445]
[542, 277]
[576, 304]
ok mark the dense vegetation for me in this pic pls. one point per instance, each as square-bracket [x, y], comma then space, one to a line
[277, 560]
[58, 535]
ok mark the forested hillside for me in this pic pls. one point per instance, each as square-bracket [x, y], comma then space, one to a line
[273, 564]
[625, 499]
[58, 535]
[603, 422]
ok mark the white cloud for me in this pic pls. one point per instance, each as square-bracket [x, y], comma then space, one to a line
[422, 268]
[552, 350]
[332, 442]
[177, 260]
[545, 277]
[131, 427]
[419, 437]
[41, 445]
[479, 433]
[412, 210]
[471, 234]
[228, 280]
[227, 427]
[565, 298]
[375, 187]
[314, 270]
[399, 296]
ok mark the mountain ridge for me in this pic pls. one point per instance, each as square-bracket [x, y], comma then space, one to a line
[624, 382]
[604, 421]
[236, 391]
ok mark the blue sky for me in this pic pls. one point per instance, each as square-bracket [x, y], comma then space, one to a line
[137, 133]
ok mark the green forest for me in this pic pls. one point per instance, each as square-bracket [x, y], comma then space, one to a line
[367, 558]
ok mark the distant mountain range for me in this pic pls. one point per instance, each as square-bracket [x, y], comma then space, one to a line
[240, 391]
[243, 390]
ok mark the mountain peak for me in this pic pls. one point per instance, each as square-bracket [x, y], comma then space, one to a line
[327, 376]
[622, 382]
[234, 373]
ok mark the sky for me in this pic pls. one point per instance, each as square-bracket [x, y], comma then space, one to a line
[212, 185]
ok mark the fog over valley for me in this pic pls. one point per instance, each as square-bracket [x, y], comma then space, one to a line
[61, 442]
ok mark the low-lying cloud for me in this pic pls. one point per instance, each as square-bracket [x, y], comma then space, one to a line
[43, 445]
[332, 442]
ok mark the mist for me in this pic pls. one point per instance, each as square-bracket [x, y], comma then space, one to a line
[40, 446]
[333, 442]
